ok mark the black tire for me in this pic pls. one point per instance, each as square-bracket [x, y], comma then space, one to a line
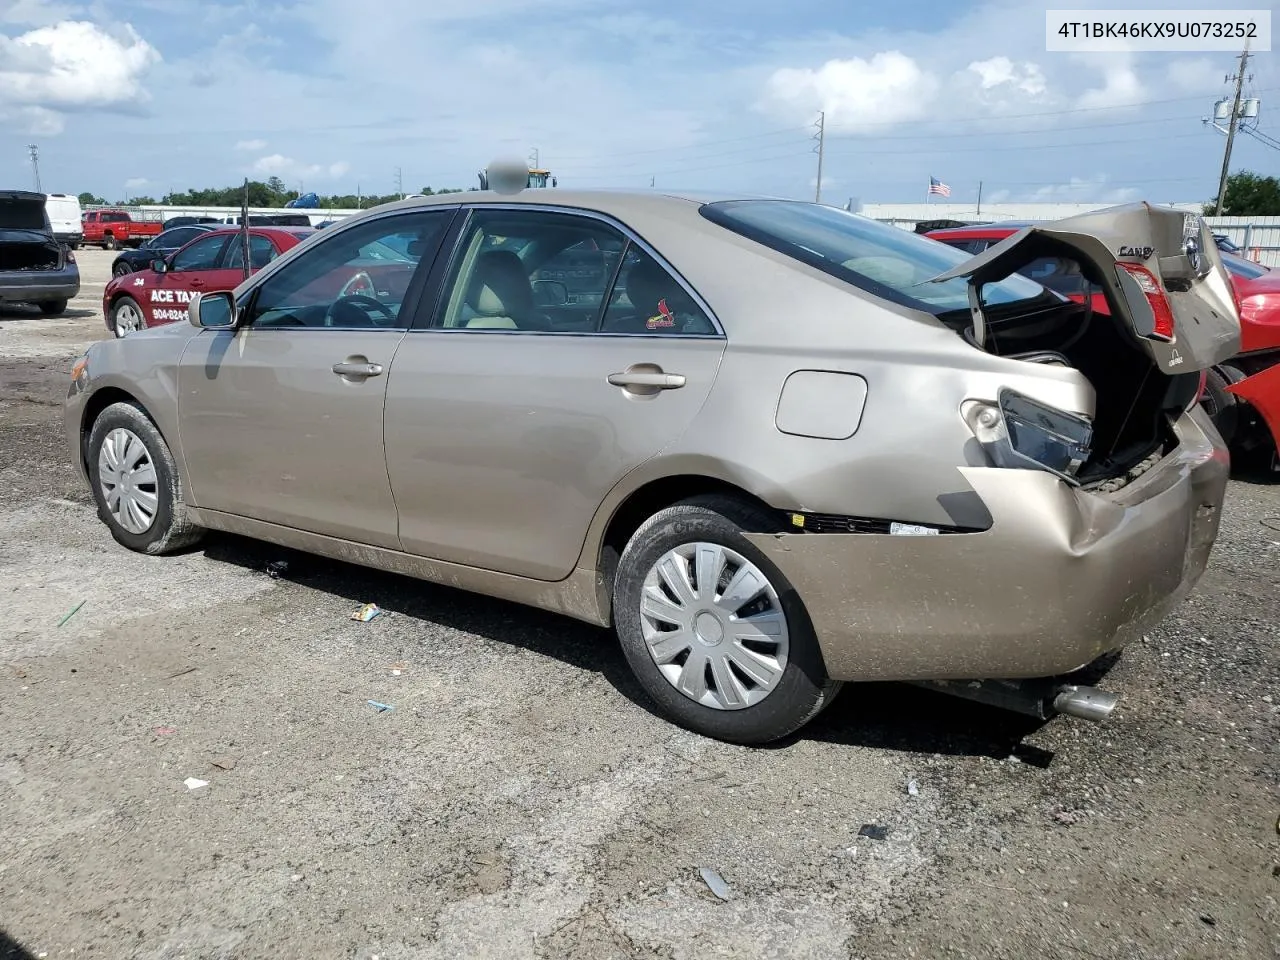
[115, 309]
[804, 689]
[51, 308]
[171, 528]
[1221, 406]
[120, 268]
[109, 242]
[74, 244]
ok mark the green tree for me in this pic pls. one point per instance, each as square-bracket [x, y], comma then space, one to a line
[1248, 195]
[265, 195]
[87, 198]
[275, 185]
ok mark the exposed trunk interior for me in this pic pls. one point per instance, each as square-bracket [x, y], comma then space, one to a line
[28, 254]
[1135, 400]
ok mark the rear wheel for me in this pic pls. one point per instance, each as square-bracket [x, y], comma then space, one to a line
[712, 629]
[51, 308]
[127, 317]
[135, 483]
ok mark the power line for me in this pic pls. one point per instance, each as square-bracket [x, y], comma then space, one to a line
[1011, 148]
[1028, 116]
[1261, 137]
[833, 128]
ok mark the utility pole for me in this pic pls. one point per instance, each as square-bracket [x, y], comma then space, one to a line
[979, 210]
[821, 137]
[399, 184]
[1231, 131]
[533, 156]
[35, 164]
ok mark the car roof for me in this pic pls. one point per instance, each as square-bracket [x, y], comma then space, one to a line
[614, 202]
[277, 233]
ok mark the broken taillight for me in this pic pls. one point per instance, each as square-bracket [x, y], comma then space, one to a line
[1162, 312]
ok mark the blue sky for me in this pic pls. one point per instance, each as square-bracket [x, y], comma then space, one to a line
[148, 96]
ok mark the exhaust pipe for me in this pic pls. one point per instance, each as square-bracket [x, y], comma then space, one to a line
[1086, 703]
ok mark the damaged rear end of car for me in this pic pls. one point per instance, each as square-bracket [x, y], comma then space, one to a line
[1171, 317]
[1076, 431]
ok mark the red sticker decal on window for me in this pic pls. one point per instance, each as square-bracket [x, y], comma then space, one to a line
[665, 317]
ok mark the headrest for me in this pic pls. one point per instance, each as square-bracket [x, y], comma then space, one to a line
[500, 286]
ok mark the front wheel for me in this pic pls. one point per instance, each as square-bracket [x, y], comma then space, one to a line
[120, 269]
[135, 483]
[712, 629]
[127, 317]
[109, 242]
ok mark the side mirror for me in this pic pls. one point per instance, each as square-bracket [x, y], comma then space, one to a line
[159, 266]
[212, 311]
[550, 293]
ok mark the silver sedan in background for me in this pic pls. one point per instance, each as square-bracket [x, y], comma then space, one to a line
[774, 445]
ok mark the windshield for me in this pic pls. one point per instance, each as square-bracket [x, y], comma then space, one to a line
[889, 262]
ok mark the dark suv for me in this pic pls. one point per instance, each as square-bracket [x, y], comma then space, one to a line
[34, 267]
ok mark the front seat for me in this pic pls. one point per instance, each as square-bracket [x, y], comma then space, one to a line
[499, 296]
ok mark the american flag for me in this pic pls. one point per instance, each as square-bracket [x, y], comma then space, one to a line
[938, 188]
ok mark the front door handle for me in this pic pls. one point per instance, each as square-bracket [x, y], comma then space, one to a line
[654, 381]
[357, 368]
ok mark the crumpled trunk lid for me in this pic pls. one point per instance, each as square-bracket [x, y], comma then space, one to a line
[1176, 249]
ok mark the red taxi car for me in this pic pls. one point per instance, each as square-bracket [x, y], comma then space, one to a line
[212, 261]
[1243, 394]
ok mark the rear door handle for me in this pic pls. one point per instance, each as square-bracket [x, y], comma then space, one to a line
[197, 282]
[657, 381]
[357, 369]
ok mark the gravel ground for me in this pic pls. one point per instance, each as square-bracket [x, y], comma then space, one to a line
[521, 800]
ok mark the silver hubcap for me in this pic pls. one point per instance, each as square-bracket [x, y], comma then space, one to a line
[714, 626]
[128, 319]
[127, 478]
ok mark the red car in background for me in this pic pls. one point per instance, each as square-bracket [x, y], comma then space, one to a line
[1243, 394]
[212, 261]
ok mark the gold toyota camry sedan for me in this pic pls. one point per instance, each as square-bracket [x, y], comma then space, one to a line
[776, 446]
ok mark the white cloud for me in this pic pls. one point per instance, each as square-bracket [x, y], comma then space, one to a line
[74, 64]
[134, 183]
[34, 121]
[1025, 78]
[287, 168]
[1085, 189]
[1120, 88]
[34, 12]
[1195, 76]
[253, 146]
[854, 93]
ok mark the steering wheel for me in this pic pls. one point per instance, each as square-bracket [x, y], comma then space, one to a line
[361, 301]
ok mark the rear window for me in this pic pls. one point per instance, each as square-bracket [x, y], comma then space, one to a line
[891, 263]
[22, 215]
[1247, 269]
